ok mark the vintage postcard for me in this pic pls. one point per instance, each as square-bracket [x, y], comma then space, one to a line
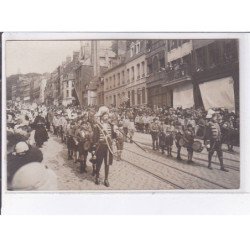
[151, 113]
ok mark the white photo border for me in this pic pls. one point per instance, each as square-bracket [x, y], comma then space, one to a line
[143, 202]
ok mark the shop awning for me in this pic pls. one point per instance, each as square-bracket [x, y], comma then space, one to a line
[218, 93]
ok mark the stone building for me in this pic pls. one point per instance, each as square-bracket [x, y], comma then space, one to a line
[187, 73]
[126, 81]
[215, 73]
[168, 78]
[68, 89]
[136, 70]
[115, 85]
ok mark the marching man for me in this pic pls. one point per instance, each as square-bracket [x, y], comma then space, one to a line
[102, 138]
[213, 140]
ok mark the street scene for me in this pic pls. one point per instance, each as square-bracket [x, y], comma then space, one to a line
[123, 115]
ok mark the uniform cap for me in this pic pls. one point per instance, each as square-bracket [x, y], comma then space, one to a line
[21, 147]
[102, 110]
[210, 113]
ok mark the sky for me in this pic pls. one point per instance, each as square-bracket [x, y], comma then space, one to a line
[38, 56]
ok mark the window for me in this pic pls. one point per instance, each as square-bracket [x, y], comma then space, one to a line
[129, 97]
[114, 80]
[137, 48]
[201, 59]
[132, 51]
[107, 83]
[132, 74]
[213, 55]
[138, 97]
[155, 65]
[119, 78]
[110, 82]
[185, 41]
[128, 76]
[230, 52]
[173, 44]
[143, 96]
[133, 97]
[149, 65]
[143, 68]
[169, 45]
[123, 77]
[138, 71]
[162, 59]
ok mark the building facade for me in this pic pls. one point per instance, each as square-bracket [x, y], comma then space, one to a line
[68, 89]
[136, 71]
[43, 84]
[215, 73]
[115, 85]
[169, 78]
[100, 91]
[35, 90]
[83, 76]
[125, 83]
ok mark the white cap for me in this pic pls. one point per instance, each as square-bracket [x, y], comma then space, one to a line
[102, 110]
[21, 147]
[210, 113]
[34, 176]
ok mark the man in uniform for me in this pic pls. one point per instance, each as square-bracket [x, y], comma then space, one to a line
[102, 138]
[212, 140]
[189, 140]
[41, 134]
[84, 135]
[178, 136]
[154, 130]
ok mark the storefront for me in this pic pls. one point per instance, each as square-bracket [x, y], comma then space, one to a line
[160, 96]
[183, 96]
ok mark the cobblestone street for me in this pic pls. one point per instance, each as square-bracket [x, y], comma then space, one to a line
[141, 170]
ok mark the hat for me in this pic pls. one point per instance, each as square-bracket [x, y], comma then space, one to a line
[21, 147]
[34, 176]
[210, 113]
[102, 110]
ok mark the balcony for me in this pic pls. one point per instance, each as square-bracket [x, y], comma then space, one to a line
[169, 77]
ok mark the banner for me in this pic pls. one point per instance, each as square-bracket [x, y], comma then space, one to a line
[183, 96]
[218, 93]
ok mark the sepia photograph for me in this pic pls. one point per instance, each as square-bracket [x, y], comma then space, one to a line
[122, 115]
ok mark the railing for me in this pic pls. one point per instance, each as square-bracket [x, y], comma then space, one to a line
[178, 73]
[169, 75]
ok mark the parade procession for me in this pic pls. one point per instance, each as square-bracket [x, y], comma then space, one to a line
[139, 117]
[95, 139]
